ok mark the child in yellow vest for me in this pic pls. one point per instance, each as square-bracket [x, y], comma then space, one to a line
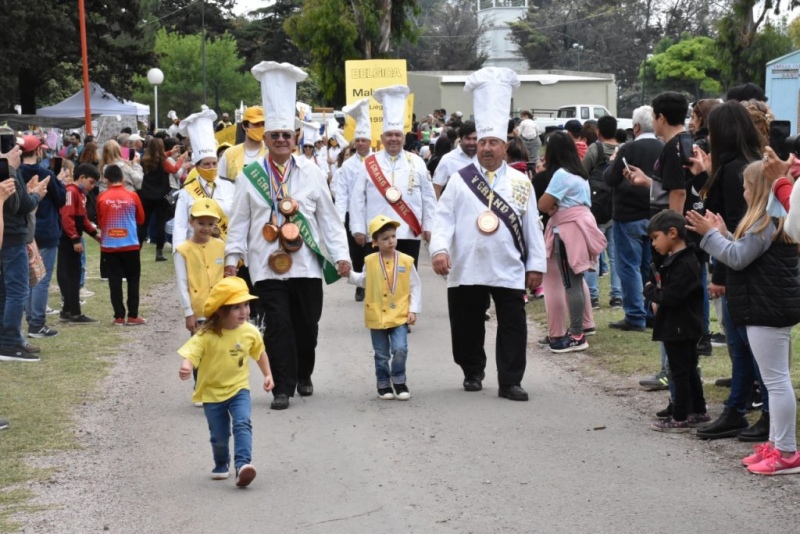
[199, 262]
[220, 349]
[392, 301]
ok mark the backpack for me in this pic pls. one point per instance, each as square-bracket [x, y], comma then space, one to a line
[601, 191]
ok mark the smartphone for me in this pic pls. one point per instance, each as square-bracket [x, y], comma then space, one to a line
[685, 147]
[779, 131]
[7, 142]
[625, 162]
[55, 165]
[131, 154]
[4, 174]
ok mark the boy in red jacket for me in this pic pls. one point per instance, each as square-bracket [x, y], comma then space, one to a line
[73, 223]
[119, 214]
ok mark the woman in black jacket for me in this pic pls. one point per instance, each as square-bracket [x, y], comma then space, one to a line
[734, 143]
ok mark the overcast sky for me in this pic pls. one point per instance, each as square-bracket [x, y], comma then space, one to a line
[244, 6]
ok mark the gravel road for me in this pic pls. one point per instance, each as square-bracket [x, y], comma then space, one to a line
[574, 459]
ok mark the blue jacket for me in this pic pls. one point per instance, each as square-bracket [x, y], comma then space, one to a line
[48, 220]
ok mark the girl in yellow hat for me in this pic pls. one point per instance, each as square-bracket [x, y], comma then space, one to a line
[219, 351]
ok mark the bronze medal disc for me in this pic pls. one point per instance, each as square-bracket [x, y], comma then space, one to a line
[280, 261]
[270, 232]
[393, 195]
[290, 237]
[488, 222]
[288, 206]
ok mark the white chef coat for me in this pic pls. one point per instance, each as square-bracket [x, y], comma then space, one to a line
[308, 186]
[222, 193]
[344, 182]
[453, 161]
[490, 260]
[367, 202]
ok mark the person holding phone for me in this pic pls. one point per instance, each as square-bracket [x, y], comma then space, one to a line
[14, 275]
[47, 232]
[131, 170]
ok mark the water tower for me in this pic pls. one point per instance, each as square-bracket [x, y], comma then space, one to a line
[495, 16]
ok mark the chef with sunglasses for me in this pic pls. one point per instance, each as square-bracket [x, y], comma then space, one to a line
[277, 198]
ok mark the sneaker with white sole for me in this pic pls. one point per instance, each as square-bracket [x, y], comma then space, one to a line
[44, 331]
[386, 393]
[85, 293]
[51, 311]
[220, 472]
[670, 426]
[17, 354]
[775, 464]
[401, 392]
[569, 344]
[245, 475]
[760, 452]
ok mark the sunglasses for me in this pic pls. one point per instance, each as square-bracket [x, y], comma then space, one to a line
[277, 135]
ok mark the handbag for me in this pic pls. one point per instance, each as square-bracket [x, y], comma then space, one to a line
[36, 268]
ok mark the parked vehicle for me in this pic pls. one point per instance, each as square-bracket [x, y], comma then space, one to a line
[580, 112]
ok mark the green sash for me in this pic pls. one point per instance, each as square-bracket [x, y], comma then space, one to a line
[260, 180]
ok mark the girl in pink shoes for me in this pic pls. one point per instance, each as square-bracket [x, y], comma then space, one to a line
[764, 296]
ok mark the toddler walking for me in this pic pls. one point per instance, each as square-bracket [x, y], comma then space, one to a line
[219, 350]
[392, 301]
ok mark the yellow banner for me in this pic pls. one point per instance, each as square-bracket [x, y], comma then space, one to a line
[227, 135]
[362, 77]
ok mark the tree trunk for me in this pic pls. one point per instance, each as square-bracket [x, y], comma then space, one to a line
[386, 27]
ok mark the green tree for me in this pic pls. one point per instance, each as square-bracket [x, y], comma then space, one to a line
[690, 65]
[187, 17]
[181, 63]
[331, 32]
[261, 35]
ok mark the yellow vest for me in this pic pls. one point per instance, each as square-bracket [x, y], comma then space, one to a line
[196, 191]
[378, 311]
[235, 160]
[205, 266]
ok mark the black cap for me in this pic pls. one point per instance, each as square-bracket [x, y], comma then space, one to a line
[573, 126]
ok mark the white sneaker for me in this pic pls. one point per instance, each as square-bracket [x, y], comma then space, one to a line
[51, 311]
[85, 293]
[245, 475]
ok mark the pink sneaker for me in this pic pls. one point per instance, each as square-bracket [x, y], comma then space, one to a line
[774, 464]
[135, 321]
[119, 322]
[759, 453]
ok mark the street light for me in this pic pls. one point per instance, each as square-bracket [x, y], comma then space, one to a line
[156, 78]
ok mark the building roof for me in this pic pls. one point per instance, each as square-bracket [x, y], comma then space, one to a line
[778, 60]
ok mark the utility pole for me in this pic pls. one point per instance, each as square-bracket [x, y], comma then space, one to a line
[203, 23]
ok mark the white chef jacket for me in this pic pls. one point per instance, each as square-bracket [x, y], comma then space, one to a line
[453, 161]
[344, 182]
[222, 193]
[367, 202]
[309, 187]
[490, 260]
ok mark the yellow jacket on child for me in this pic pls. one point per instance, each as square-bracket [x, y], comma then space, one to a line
[382, 308]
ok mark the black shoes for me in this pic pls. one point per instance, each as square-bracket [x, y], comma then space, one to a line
[160, 255]
[758, 433]
[728, 425]
[305, 388]
[473, 383]
[723, 382]
[514, 393]
[666, 413]
[704, 347]
[615, 303]
[360, 294]
[280, 402]
[625, 326]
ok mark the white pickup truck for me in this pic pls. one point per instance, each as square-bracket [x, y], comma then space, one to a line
[580, 112]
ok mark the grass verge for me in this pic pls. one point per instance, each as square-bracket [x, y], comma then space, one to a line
[40, 398]
[635, 355]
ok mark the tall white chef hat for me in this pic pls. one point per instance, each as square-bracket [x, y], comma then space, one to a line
[310, 133]
[393, 100]
[491, 89]
[360, 112]
[199, 127]
[303, 110]
[278, 93]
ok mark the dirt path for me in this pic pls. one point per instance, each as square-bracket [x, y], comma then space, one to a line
[573, 459]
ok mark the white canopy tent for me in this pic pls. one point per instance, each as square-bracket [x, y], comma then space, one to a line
[101, 102]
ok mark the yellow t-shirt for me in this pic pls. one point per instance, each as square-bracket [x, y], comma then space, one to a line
[221, 361]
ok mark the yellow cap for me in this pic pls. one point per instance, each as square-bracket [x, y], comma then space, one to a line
[379, 222]
[253, 114]
[228, 291]
[205, 207]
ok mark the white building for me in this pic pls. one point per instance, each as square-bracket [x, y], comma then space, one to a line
[495, 16]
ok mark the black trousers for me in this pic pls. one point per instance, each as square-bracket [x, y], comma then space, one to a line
[292, 309]
[256, 310]
[410, 247]
[357, 252]
[116, 266]
[467, 307]
[68, 274]
[682, 357]
[159, 209]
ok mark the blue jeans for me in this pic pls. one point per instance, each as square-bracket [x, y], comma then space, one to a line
[221, 416]
[632, 247]
[391, 344]
[743, 365]
[592, 276]
[36, 308]
[14, 293]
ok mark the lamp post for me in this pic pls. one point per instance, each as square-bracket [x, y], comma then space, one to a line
[156, 78]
